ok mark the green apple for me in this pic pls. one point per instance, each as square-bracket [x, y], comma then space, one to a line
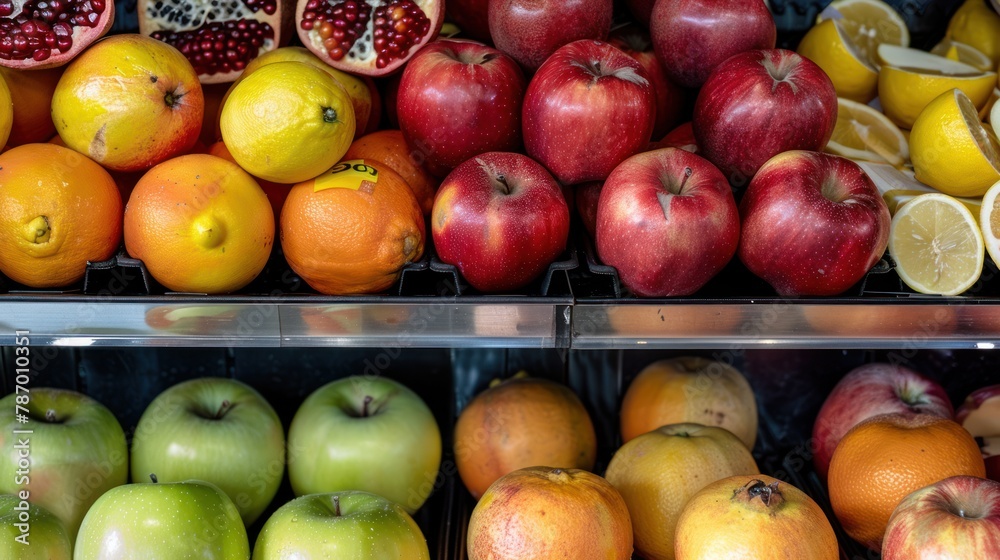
[74, 451]
[193, 520]
[218, 430]
[30, 532]
[340, 525]
[365, 433]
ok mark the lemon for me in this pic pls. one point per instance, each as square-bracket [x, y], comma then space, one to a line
[995, 112]
[977, 25]
[868, 23]
[288, 122]
[986, 114]
[909, 79]
[950, 148]
[6, 112]
[963, 53]
[852, 75]
[862, 133]
[989, 221]
[937, 245]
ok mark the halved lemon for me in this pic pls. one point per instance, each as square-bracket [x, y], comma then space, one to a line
[937, 245]
[852, 75]
[978, 25]
[994, 116]
[950, 148]
[868, 23]
[986, 113]
[910, 78]
[989, 221]
[865, 134]
[961, 52]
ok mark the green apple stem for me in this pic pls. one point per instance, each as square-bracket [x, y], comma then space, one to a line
[152, 476]
[336, 506]
[50, 416]
[365, 413]
[223, 409]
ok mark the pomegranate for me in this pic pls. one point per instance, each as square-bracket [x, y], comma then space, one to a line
[37, 34]
[367, 37]
[219, 37]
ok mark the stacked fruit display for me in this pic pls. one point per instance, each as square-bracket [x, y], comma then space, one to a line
[681, 144]
[206, 460]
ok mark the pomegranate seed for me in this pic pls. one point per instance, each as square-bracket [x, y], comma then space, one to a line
[41, 54]
[64, 43]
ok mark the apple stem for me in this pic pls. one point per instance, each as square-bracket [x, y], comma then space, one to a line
[336, 506]
[50, 415]
[687, 175]
[505, 187]
[152, 476]
[223, 409]
[365, 413]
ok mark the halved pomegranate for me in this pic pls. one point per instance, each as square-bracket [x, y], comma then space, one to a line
[367, 37]
[36, 34]
[219, 37]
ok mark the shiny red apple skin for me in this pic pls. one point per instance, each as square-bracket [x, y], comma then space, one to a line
[813, 224]
[758, 104]
[587, 109]
[692, 37]
[501, 219]
[667, 220]
[870, 390]
[587, 196]
[681, 137]
[458, 99]
[957, 518]
[670, 98]
[531, 30]
[471, 16]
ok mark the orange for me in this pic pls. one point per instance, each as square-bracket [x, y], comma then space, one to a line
[352, 232]
[881, 460]
[31, 91]
[658, 472]
[690, 389]
[200, 224]
[389, 147]
[58, 210]
[522, 422]
[541, 513]
[276, 192]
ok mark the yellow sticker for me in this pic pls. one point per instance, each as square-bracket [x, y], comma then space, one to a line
[348, 174]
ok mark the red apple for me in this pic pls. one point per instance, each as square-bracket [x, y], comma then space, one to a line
[681, 137]
[813, 224]
[459, 99]
[957, 518]
[587, 109]
[980, 415]
[760, 103]
[667, 220]
[692, 37]
[531, 30]
[634, 41]
[867, 391]
[587, 197]
[471, 17]
[501, 219]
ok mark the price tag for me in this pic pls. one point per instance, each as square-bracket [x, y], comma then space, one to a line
[348, 174]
